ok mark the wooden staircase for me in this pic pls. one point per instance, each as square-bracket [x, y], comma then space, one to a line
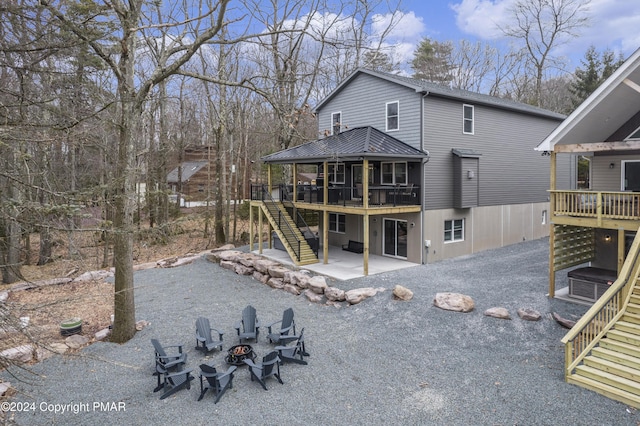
[289, 233]
[603, 348]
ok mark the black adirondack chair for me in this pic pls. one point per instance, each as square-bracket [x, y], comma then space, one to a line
[165, 363]
[169, 369]
[270, 366]
[205, 340]
[294, 353]
[248, 327]
[281, 335]
[173, 382]
[217, 382]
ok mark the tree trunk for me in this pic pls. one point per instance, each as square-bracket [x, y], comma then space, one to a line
[46, 245]
[124, 325]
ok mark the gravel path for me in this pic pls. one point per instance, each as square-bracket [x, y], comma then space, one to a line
[379, 362]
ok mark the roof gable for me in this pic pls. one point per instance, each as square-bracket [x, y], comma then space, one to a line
[608, 108]
[353, 144]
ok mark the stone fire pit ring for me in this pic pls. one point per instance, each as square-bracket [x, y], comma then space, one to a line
[238, 353]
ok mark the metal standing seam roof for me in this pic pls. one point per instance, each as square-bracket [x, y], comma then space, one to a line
[433, 89]
[189, 168]
[357, 143]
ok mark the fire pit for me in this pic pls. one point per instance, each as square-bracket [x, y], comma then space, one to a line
[238, 353]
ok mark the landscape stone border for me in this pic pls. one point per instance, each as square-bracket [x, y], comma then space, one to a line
[297, 282]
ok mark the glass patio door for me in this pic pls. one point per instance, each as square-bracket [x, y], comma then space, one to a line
[395, 238]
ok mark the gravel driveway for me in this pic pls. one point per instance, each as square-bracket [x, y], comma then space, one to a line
[380, 362]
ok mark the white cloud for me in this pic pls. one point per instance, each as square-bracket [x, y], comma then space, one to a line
[408, 27]
[613, 24]
[481, 18]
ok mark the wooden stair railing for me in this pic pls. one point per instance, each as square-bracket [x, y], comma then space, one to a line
[287, 231]
[602, 351]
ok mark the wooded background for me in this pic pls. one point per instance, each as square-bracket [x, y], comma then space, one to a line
[100, 100]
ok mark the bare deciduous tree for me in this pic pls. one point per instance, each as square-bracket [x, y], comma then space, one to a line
[540, 26]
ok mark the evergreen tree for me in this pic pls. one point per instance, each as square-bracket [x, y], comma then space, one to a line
[433, 61]
[596, 69]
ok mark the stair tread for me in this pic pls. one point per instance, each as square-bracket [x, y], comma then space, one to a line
[613, 353]
[607, 390]
[614, 365]
[609, 376]
[614, 332]
[627, 324]
[619, 344]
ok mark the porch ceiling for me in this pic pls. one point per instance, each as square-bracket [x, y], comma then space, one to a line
[615, 102]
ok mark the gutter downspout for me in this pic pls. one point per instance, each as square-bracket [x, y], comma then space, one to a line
[425, 250]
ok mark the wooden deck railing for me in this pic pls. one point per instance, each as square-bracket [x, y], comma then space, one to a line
[602, 316]
[596, 204]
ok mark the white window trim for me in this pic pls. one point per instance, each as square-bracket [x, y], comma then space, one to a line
[395, 181]
[623, 166]
[473, 119]
[338, 216]
[453, 240]
[629, 138]
[333, 122]
[332, 176]
[386, 115]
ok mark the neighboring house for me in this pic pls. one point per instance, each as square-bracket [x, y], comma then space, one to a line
[194, 180]
[420, 172]
[599, 225]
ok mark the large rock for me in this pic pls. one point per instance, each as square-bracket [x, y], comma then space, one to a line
[76, 341]
[227, 264]
[402, 293]
[275, 283]
[102, 334]
[243, 270]
[312, 296]
[229, 255]
[263, 278]
[22, 353]
[357, 295]
[277, 271]
[529, 314]
[263, 265]
[335, 294]
[318, 284]
[501, 313]
[454, 302]
[248, 259]
[4, 387]
[174, 262]
[94, 275]
[58, 347]
[290, 288]
[300, 279]
[142, 324]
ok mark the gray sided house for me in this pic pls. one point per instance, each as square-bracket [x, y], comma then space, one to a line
[421, 172]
